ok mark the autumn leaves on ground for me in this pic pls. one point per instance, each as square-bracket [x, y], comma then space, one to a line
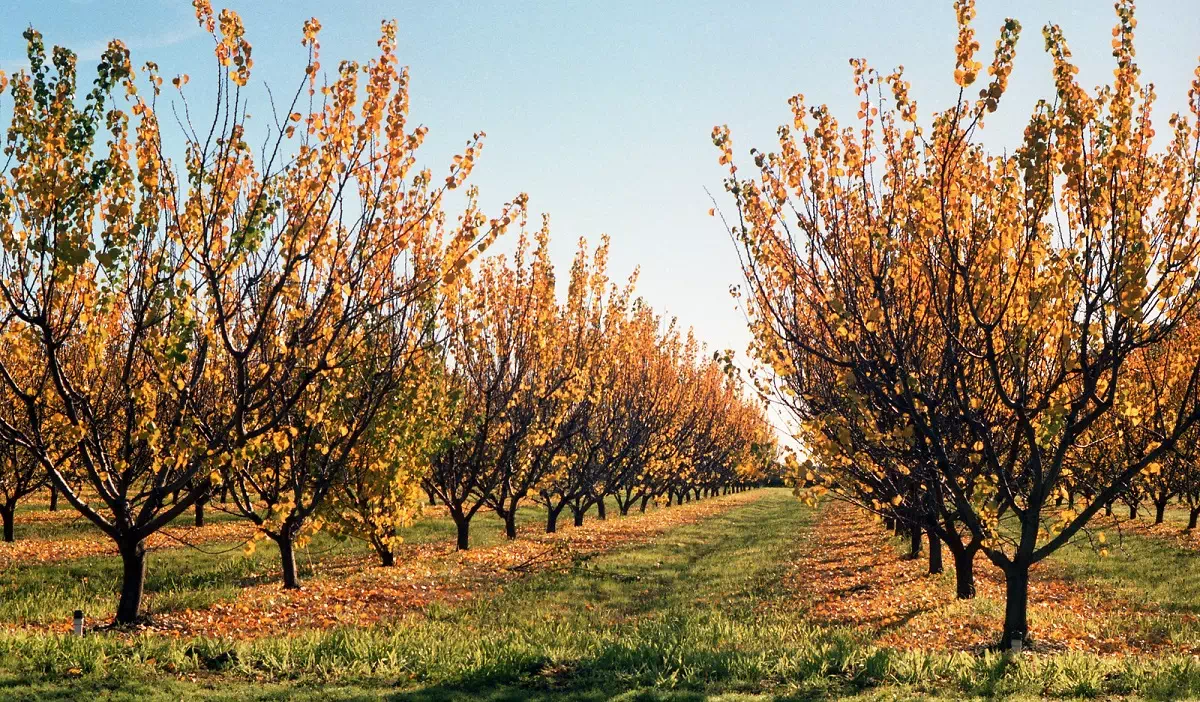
[751, 593]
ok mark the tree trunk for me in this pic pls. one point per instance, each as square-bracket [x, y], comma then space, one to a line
[552, 519]
[889, 523]
[510, 524]
[601, 510]
[1016, 605]
[53, 497]
[287, 555]
[7, 515]
[1108, 509]
[935, 553]
[914, 548]
[387, 558]
[645, 501]
[1160, 512]
[464, 532]
[133, 582]
[964, 574]
[432, 498]
[1193, 515]
[200, 511]
[1133, 511]
[578, 514]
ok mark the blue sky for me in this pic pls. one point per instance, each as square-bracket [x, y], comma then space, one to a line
[602, 111]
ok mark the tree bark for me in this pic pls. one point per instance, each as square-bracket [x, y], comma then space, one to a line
[914, 547]
[510, 525]
[53, 497]
[645, 501]
[7, 515]
[287, 555]
[964, 574]
[601, 510]
[1016, 604]
[133, 582]
[1193, 516]
[1108, 509]
[935, 553]
[1133, 511]
[1160, 512]
[578, 514]
[552, 519]
[464, 532]
[200, 511]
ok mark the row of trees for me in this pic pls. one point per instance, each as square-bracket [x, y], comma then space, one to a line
[566, 404]
[298, 327]
[986, 347]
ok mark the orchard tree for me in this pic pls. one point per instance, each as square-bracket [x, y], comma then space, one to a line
[181, 323]
[1033, 277]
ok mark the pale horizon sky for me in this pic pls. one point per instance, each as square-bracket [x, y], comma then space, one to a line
[602, 111]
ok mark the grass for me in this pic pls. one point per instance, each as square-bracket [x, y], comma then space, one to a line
[699, 613]
[194, 578]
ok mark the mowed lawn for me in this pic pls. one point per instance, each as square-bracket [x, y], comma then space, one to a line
[713, 609]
